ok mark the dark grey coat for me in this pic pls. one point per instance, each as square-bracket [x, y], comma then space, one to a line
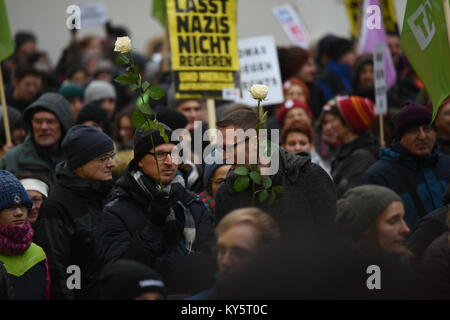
[305, 208]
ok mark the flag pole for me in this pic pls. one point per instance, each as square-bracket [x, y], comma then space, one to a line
[4, 108]
[447, 17]
[211, 107]
[382, 142]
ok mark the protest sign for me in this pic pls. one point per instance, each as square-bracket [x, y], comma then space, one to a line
[203, 45]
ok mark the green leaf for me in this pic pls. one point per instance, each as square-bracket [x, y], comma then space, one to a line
[263, 196]
[272, 197]
[264, 118]
[241, 171]
[162, 132]
[267, 182]
[145, 108]
[122, 59]
[256, 177]
[137, 119]
[142, 99]
[134, 87]
[241, 183]
[145, 86]
[278, 189]
[127, 78]
[156, 92]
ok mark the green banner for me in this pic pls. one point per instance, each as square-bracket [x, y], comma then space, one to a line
[6, 41]
[159, 11]
[425, 42]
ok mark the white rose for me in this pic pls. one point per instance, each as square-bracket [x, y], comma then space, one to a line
[259, 91]
[123, 45]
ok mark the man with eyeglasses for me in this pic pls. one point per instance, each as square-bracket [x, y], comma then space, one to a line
[49, 120]
[413, 166]
[155, 220]
[305, 209]
[69, 223]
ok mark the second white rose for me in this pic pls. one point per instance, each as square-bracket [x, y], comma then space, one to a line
[259, 91]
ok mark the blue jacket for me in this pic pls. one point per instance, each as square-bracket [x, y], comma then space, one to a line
[420, 181]
[335, 79]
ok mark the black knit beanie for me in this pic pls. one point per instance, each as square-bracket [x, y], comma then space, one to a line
[143, 141]
[84, 143]
[127, 279]
[93, 112]
[338, 47]
[412, 115]
[358, 209]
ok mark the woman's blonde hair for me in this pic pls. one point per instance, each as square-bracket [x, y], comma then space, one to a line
[269, 233]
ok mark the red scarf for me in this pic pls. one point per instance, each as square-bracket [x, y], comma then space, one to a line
[15, 240]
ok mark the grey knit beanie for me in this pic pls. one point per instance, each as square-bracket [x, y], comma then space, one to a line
[358, 209]
[98, 90]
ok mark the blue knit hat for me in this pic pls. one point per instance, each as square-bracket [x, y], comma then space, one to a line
[12, 192]
[84, 143]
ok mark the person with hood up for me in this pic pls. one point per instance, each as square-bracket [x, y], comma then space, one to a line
[69, 224]
[49, 120]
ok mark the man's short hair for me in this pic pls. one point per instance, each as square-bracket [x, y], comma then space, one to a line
[179, 102]
[23, 71]
[269, 233]
[240, 118]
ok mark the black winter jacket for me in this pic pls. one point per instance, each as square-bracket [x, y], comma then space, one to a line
[68, 229]
[128, 233]
[307, 206]
[6, 289]
[351, 162]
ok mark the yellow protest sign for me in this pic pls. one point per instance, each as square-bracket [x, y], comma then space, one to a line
[203, 41]
[354, 8]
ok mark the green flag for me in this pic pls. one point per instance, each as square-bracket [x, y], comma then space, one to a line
[159, 11]
[6, 42]
[425, 42]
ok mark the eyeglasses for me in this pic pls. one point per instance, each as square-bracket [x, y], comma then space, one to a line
[161, 155]
[416, 130]
[232, 146]
[105, 158]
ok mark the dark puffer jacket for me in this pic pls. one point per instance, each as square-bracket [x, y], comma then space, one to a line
[128, 233]
[6, 289]
[306, 207]
[68, 229]
[420, 181]
[436, 267]
[351, 161]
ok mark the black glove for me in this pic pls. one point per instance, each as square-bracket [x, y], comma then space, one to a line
[159, 208]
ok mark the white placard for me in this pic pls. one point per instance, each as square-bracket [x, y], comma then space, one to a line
[380, 79]
[258, 61]
[292, 25]
[93, 14]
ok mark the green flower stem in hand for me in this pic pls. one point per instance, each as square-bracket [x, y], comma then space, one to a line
[261, 186]
[141, 117]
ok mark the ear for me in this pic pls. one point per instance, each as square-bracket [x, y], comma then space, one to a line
[140, 164]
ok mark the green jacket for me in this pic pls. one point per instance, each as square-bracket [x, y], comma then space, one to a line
[29, 157]
[25, 159]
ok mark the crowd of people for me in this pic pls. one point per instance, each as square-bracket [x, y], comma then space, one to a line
[80, 186]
